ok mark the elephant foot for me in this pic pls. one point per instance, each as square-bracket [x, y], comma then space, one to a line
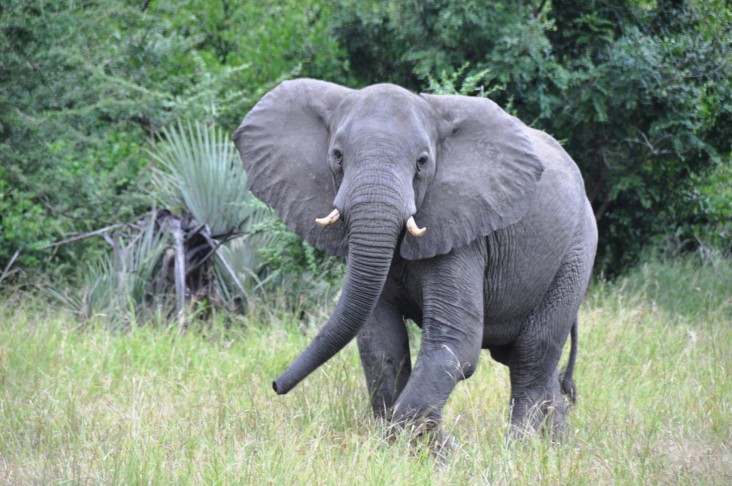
[544, 418]
[423, 439]
[422, 433]
[415, 428]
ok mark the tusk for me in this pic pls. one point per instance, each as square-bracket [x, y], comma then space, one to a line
[330, 219]
[414, 229]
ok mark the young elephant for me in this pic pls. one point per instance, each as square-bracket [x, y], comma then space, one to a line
[451, 213]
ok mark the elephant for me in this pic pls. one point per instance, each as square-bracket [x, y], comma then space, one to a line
[450, 212]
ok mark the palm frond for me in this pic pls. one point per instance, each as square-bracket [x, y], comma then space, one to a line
[119, 288]
[199, 172]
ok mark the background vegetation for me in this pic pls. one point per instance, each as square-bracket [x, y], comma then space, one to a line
[638, 92]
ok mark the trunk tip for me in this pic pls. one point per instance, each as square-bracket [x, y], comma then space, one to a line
[278, 389]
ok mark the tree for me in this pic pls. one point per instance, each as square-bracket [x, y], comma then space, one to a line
[86, 85]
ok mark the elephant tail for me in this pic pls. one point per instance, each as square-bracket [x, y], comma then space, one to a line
[569, 389]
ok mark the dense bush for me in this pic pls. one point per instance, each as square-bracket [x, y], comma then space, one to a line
[638, 92]
[86, 85]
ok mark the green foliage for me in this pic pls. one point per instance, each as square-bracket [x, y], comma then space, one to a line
[76, 81]
[638, 92]
[706, 223]
[85, 85]
[244, 47]
[653, 124]
[304, 276]
[457, 83]
[120, 289]
[199, 172]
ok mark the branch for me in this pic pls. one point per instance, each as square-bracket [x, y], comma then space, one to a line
[647, 142]
[82, 236]
[10, 264]
[603, 207]
[538, 9]
[212, 251]
[180, 266]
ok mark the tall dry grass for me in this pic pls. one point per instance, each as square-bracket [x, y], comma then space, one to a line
[153, 406]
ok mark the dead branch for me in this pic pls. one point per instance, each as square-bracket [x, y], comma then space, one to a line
[10, 264]
[224, 262]
[81, 236]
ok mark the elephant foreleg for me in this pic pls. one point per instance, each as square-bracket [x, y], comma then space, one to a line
[452, 333]
[383, 345]
[440, 365]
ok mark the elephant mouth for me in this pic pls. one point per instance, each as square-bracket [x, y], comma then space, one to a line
[335, 215]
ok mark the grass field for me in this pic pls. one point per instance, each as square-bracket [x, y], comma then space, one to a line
[83, 404]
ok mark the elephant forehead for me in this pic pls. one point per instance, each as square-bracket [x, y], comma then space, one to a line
[397, 116]
[384, 91]
[382, 101]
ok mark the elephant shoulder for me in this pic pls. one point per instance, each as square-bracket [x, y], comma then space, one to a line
[561, 199]
[560, 169]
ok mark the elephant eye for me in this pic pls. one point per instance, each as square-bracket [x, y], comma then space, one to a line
[422, 161]
[338, 156]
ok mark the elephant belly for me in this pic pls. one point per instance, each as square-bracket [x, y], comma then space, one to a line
[508, 301]
[515, 283]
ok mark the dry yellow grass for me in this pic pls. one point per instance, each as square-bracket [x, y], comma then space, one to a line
[155, 407]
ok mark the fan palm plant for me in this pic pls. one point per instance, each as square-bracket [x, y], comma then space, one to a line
[121, 288]
[201, 246]
[199, 173]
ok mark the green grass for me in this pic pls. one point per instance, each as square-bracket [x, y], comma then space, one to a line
[88, 405]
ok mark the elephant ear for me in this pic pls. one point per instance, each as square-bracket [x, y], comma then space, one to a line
[486, 176]
[283, 142]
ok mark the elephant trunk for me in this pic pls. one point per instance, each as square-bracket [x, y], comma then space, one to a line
[371, 244]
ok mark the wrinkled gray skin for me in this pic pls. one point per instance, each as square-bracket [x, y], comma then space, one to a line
[503, 265]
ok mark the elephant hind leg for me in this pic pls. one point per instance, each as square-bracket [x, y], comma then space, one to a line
[540, 406]
[536, 389]
[383, 345]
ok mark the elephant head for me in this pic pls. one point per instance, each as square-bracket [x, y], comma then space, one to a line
[376, 160]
